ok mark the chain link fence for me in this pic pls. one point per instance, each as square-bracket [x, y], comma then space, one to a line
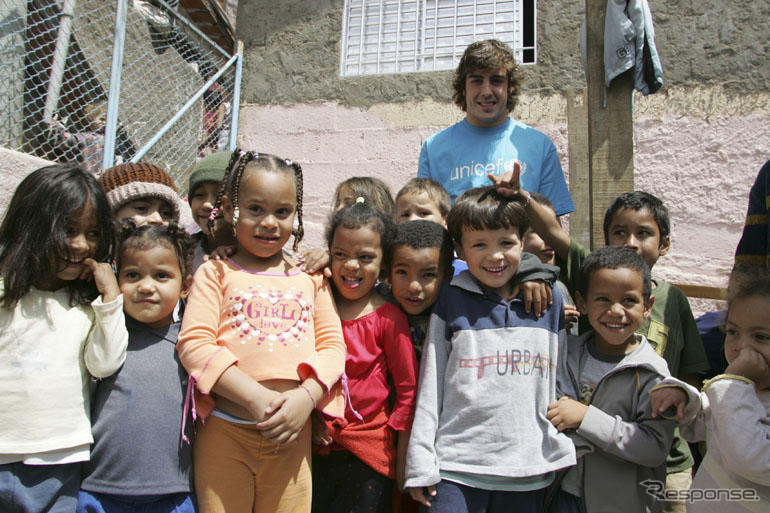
[177, 96]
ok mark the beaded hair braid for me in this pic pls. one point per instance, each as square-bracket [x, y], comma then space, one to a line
[232, 184]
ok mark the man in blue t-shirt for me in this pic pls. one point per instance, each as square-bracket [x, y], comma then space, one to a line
[488, 141]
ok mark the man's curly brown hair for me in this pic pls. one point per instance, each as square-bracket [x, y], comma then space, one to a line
[485, 55]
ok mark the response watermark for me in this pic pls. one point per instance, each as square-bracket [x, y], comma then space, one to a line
[659, 491]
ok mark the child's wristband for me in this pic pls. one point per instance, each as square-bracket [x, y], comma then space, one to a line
[306, 389]
[720, 377]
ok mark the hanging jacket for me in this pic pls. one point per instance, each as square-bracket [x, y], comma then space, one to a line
[629, 42]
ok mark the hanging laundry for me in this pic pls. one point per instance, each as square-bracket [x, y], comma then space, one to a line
[629, 42]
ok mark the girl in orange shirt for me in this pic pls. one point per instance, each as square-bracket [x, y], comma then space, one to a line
[263, 345]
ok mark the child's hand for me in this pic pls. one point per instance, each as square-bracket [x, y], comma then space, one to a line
[320, 431]
[104, 278]
[220, 253]
[566, 413]
[752, 365]
[571, 315]
[424, 494]
[508, 185]
[286, 415]
[537, 294]
[665, 397]
[314, 259]
[260, 403]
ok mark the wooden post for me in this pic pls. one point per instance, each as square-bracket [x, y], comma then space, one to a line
[579, 167]
[610, 134]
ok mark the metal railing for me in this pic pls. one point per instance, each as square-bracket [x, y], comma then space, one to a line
[101, 82]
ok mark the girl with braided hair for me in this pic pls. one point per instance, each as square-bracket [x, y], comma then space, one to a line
[263, 345]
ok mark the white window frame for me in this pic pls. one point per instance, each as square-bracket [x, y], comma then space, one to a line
[401, 36]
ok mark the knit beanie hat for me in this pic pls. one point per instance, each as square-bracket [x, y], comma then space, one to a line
[209, 169]
[128, 182]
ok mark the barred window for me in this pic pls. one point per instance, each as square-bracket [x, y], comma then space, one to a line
[402, 36]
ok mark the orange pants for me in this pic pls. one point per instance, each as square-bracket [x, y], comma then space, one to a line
[237, 470]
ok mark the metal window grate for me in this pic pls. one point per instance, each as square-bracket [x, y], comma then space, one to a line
[402, 36]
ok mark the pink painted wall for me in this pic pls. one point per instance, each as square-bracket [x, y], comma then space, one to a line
[701, 167]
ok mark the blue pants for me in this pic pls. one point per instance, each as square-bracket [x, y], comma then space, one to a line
[39, 488]
[92, 502]
[564, 502]
[456, 498]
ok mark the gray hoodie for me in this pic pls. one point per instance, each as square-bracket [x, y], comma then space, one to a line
[488, 373]
[622, 446]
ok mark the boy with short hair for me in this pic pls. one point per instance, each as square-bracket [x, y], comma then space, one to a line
[610, 371]
[480, 438]
[421, 261]
[425, 198]
[533, 243]
[422, 198]
[205, 182]
[640, 221]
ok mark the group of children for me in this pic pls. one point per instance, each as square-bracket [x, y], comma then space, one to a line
[330, 380]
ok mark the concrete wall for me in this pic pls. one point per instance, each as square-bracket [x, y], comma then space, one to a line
[15, 167]
[293, 49]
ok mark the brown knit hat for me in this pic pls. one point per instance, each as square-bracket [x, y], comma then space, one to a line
[128, 182]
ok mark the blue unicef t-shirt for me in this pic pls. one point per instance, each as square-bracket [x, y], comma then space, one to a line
[461, 156]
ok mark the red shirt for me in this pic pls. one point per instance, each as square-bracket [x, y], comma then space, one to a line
[378, 345]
